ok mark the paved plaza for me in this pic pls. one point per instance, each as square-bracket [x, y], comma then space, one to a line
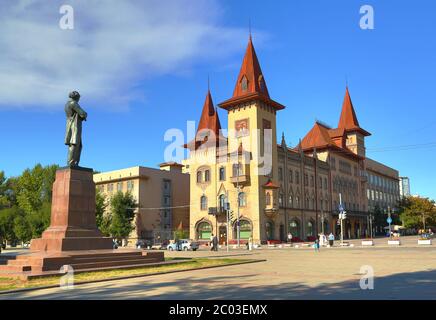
[405, 272]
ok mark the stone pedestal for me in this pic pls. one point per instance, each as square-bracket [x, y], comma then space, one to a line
[72, 225]
[73, 238]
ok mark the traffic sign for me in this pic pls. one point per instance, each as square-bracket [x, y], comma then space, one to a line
[389, 220]
[341, 207]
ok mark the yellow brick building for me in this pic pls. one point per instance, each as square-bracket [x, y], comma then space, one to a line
[272, 189]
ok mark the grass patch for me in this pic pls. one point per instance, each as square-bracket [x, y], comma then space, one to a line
[12, 284]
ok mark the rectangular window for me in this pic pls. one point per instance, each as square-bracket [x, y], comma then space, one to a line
[280, 174]
[130, 185]
[297, 177]
[291, 176]
[237, 170]
[119, 186]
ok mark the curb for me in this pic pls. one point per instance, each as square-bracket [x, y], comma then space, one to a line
[127, 277]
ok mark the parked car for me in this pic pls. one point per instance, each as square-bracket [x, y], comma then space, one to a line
[183, 244]
[143, 244]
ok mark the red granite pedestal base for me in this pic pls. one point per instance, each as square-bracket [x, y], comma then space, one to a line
[73, 237]
[72, 225]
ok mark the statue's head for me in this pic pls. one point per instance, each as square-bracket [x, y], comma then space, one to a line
[74, 95]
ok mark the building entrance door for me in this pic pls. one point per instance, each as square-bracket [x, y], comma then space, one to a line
[222, 234]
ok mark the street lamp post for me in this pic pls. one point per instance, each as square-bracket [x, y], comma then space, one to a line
[322, 221]
[238, 227]
[341, 217]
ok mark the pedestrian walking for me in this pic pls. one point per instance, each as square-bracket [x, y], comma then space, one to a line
[331, 239]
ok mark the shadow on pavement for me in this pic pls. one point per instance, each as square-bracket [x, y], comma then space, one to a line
[413, 285]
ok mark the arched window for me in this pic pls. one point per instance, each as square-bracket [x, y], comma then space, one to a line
[203, 203]
[297, 202]
[294, 228]
[268, 199]
[291, 201]
[310, 230]
[204, 231]
[199, 176]
[222, 202]
[244, 83]
[207, 176]
[244, 229]
[242, 201]
[261, 83]
[222, 174]
[281, 199]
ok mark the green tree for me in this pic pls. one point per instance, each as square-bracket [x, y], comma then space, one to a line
[5, 192]
[102, 217]
[35, 187]
[40, 219]
[22, 228]
[417, 211]
[122, 214]
[7, 217]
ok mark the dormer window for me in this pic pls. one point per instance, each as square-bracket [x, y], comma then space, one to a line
[261, 83]
[244, 83]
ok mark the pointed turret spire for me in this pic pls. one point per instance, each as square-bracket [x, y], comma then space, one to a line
[250, 78]
[348, 119]
[283, 140]
[209, 116]
[250, 84]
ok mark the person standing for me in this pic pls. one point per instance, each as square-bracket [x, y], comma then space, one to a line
[289, 237]
[316, 244]
[331, 239]
[211, 242]
[215, 243]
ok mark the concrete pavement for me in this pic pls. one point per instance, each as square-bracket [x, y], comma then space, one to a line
[405, 272]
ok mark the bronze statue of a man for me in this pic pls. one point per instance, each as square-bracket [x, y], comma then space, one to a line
[73, 135]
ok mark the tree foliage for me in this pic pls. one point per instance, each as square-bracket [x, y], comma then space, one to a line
[102, 217]
[25, 203]
[415, 209]
[35, 187]
[122, 213]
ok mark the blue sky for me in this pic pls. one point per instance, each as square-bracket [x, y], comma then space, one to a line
[142, 68]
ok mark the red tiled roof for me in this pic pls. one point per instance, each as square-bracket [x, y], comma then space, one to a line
[251, 70]
[209, 116]
[348, 119]
[271, 185]
[209, 121]
[321, 137]
[255, 82]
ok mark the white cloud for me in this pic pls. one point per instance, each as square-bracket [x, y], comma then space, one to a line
[114, 46]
